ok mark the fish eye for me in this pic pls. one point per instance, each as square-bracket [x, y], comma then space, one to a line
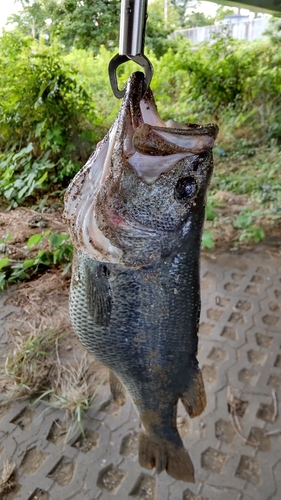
[186, 188]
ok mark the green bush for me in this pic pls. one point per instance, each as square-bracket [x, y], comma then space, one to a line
[46, 118]
[55, 107]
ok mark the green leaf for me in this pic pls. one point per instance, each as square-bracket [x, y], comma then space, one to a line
[243, 221]
[208, 239]
[259, 234]
[43, 178]
[35, 239]
[210, 212]
[8, 193]
[22, 192]
[28, 263]
[24, 151]
[57, 239]
[4, 262]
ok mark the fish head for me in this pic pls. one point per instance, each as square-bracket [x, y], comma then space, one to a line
[141, 196]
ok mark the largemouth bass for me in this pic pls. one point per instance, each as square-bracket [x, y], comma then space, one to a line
[136, 212]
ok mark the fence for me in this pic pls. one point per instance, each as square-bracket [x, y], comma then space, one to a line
[246, 30]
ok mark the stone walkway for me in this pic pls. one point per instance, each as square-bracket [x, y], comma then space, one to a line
[235, 444]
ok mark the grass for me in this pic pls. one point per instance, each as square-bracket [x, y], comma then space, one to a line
[251, 171]
[34, 370]
[245, 196]
[7, 481]
[58, 251]
[71, 391]
[29, 365]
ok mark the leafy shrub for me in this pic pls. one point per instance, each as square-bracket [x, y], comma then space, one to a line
[59, 252]
[62, 104]
[45, 118]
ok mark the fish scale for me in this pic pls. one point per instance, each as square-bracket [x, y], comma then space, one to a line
[135, 292]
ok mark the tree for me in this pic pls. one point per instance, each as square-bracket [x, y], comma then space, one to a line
[89, 24]
[158, 28]
[196, 19]
[82, 24]
[274, 30]
[31, 19]
[181, 6]
[222, 12]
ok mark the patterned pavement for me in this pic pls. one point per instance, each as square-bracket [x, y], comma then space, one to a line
[235, 444]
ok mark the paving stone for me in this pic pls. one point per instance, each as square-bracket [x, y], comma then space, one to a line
[235, 449]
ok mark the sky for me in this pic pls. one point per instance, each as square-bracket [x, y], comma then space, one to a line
[209, 8]
[7, 7]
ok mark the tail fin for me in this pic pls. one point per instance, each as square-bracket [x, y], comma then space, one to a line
[194, 399]
[163, 454]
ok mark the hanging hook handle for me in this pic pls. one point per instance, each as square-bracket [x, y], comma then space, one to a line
[131, 42]
[132, 27]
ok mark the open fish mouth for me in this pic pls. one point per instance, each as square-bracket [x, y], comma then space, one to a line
[139, 140]
[151, 146]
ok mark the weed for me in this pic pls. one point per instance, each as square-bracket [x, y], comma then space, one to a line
[58, 252]
[249, 230]
[71, 392]
[208, 239]
[7, 481]
[211, 214]
[28, 366]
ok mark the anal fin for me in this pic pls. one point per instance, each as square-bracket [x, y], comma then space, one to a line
[118, 391]
[194, 398]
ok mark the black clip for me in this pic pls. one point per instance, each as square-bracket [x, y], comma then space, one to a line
[117, 60]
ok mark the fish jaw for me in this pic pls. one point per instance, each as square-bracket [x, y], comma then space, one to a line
[141, 159]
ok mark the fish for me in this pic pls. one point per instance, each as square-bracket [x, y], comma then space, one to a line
[135, 213]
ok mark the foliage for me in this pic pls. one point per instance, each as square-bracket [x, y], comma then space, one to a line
[36, 18]
[157, 29]
[21, 176]
[196, 19]
[222, 12]
[181, 7]
[49, 127]
[44, 124]
[208, 239]
[59, 252]
[89, 24]
[75, 23]
[249, 231]
[274, 30]
[259, 179]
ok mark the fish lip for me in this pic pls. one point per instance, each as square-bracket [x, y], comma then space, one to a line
[137, 100]
[138, 97]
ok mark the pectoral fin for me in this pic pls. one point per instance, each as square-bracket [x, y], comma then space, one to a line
[98, 294]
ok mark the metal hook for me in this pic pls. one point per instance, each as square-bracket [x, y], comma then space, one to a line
[131, 42]
[120, 59]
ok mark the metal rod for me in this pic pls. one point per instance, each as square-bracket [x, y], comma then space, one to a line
[132, 27]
